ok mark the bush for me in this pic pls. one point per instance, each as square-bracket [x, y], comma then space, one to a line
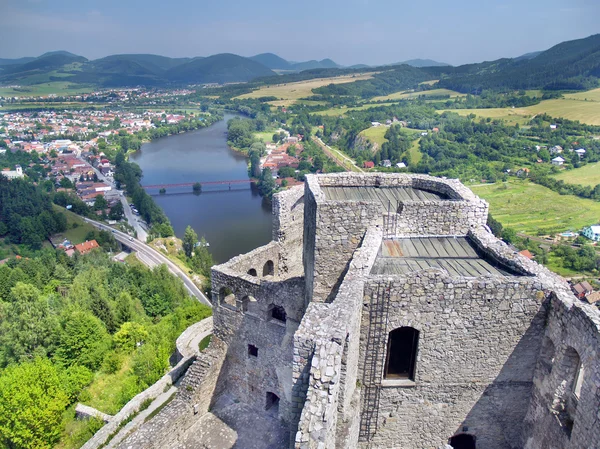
[112, 363]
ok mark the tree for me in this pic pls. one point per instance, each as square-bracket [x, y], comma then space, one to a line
[130, 336]
[116, 212]
[66, 183]
[190, 238]
[32, 401]
[202, 260]
[197, 187]
[27, 328]
[83, 340]
[100, 203]
[544, 155]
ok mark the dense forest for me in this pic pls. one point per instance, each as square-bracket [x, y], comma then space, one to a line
[67, 324]
[26, 214]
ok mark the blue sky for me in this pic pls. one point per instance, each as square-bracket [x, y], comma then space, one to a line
[349, 31]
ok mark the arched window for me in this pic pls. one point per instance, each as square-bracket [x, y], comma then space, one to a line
[226, 296]
[462, 441]
[546, 359]
[252, 272]
[278, 313]
[269, 268]
[246, 300]
[402, 353]
[570, 380]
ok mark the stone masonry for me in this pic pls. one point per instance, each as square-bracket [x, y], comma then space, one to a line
[501, 354]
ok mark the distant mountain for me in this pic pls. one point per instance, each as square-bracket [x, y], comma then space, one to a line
[60, 53]
[4, 62]
[424, 63]
[309, 65]
[155, 63]
[359, 66]
[272, 61]
[531, 55]
[43, 64]
[221, 68]
[568, 65]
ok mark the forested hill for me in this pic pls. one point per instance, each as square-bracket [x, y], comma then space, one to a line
[568, 65]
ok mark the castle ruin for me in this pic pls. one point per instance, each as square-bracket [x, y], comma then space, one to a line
[384, 314]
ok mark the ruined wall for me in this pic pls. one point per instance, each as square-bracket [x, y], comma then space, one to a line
[335, 234]
[556, 419]
[193, 399]
[440, 217]
[245, 318]
[478, 342]
[326, 360]
[288, 222]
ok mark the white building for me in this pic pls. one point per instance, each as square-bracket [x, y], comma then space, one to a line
[592, 232]
[558, 161]
[12, 174]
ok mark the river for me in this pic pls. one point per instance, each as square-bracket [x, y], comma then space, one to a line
[232, 221]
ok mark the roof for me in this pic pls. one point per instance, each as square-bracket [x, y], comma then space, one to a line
[87, 246]
[457, 256]
[558, 159]
[595, 229]
[593, 297]
[384, 195]
[526, 253]
[582, 287]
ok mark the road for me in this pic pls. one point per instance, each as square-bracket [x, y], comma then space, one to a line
[132, 219]
[152, 257]
[341, 159]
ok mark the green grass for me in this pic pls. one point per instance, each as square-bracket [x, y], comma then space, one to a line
[105, 392]
[375, 134]
[204, 343]
[74, 234]
[45, 89]
[533, 209]
[573, 107]
[265, 136]
[588, 175]
[415, 152]
[408, 95]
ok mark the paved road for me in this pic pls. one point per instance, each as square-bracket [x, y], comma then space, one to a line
[152, 257]
[132, 219]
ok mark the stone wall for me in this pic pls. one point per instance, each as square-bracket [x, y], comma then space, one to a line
[332, 239]
[288, 222]
[194, 398]
[245, 319]
[478, 341]
[185, 358]
[325, 365]
[556, 419]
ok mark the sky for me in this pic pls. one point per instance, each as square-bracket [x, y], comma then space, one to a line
[347, 31]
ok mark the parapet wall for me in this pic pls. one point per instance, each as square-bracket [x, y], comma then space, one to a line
[288, 223]
[326, 360]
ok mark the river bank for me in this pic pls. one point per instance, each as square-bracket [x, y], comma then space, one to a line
[233, 219]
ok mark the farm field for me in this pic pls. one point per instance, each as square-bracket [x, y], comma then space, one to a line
[584, 111]
[534, 209]
[291, 92]
[569, 108]
[511, 116]
[407, 95]
[38, 90]
[588, 175]
[590, 95]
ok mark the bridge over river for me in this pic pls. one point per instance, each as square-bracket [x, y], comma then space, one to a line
[228, 183]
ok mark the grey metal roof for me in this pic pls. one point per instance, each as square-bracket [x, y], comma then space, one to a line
[455, 255]
[384, 195]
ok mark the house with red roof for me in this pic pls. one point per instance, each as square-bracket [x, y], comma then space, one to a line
[87, 246]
